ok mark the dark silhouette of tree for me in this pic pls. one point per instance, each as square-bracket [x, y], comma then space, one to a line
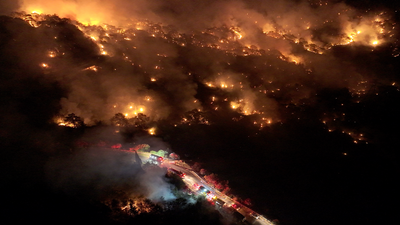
[74, 120]
[119, 120]
[140, 121]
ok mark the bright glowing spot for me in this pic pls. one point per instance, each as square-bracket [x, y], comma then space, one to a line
[234, 105]
[44, 65]
[37, 12]
[238, 35]
[375, 42]
[61, 122]
[141, 109]
[126, 114]
[130, 107]
[52, 54]
[152, 131]
[90, 22]
[153, 79]
[93, 68]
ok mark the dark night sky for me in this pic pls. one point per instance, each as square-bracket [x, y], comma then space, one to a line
[285, 100]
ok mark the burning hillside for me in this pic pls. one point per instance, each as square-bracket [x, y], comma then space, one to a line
[160, 71]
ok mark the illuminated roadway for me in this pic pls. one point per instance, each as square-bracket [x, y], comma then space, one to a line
[192, 178]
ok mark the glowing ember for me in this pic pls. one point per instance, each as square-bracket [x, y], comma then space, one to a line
[62, 122]
[52, 54]
[152, 131]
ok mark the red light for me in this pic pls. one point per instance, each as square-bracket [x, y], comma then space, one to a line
[210, 196]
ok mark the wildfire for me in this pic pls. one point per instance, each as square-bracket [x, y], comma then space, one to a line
[235, 105]
[36, 12]
[231, 41]
[52, 54]
[237, 32]
[209, 84]
[63, 123]
[139, 205]
[152, 131]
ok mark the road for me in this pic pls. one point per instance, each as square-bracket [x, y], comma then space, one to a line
[192, 178]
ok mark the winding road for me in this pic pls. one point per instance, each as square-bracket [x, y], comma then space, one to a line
[192, 178]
